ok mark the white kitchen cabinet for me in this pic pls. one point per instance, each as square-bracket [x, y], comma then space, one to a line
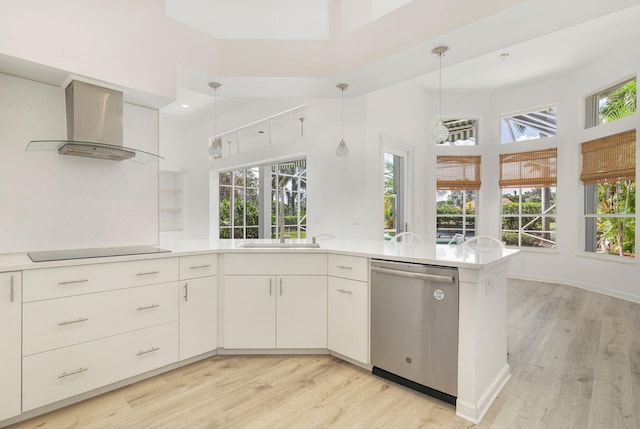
[249, 312]
[198, 305]
[55, 323]
[267, 312]
[281, 304]
[68, 371]
[58, 282]
[10, 338]
[301, 312]
[87, 326]
[348, 319]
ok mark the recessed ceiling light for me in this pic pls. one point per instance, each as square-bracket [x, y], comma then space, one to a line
[505, 56]
[186, 106]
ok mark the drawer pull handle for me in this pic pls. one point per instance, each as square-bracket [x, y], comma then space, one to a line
[151, 350]
[11, 293]
[148, 307]
[345, 291]
[345, 267]
[186, 292]
[195, 267]
[148, 273]
[77, 371]
[68, 282]
[69, 322]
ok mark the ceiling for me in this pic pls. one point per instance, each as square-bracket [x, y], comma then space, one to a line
[372, 44]
[539, 39]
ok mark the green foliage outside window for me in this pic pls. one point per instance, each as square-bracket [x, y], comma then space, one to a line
[620, 103]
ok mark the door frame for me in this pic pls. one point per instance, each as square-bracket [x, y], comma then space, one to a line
[400, 148]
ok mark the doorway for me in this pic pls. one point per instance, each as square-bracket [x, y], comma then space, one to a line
[396, 207]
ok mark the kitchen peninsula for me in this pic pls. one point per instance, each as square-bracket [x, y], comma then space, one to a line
[79, 333]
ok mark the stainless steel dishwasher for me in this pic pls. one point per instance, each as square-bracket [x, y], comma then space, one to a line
[414, 326]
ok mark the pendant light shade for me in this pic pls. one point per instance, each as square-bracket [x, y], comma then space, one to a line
[215, 148]
[342, 150]
[440, 133]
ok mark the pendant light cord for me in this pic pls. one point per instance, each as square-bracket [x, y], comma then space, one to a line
[440, 89]
[342, 115]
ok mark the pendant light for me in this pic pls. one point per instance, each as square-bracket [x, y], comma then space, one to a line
[342, 150]
[440, 134]
[215, 149]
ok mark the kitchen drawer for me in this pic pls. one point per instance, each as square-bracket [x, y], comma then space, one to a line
[195, 266]
[348, 326]
[62, 373]
[80, 279]
[275, 264]
[62, 322]
[349, 267]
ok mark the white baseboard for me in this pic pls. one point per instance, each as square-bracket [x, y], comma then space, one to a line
[580, 285]
[475, 412]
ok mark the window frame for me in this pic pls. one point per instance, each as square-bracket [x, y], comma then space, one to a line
[520, 215]
[266, 200]
[540, 110]
[464, 216]
[592, 102]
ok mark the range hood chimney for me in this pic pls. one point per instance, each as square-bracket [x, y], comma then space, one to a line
[94, 125]
[94, 115]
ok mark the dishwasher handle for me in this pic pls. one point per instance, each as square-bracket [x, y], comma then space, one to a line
[420, 276]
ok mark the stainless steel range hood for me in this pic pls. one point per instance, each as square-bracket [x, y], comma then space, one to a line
[94, 125]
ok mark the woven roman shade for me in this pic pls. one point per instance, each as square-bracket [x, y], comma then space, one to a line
[536, 169]
[609, 159]
[458, 173]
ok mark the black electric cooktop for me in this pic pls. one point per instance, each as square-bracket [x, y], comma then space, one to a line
[101, 252]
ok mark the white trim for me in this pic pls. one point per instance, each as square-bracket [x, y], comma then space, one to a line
[604, 291]
[475, 412]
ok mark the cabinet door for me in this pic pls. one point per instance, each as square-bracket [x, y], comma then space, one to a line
[198, 316]
[301, 312]
[249, 312]
[349, 318]
[10, 336]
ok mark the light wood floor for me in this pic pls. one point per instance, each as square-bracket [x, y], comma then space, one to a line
[574, 356]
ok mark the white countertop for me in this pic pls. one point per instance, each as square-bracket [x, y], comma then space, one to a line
[436, 254]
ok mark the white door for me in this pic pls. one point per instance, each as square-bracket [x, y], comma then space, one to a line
[10, 337]
[397, 168]
[302, 312]
[249, 312]
[198, 316]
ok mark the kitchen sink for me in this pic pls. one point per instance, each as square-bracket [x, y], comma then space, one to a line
[280, 246]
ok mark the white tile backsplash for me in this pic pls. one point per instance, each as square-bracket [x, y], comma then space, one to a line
[50, 201]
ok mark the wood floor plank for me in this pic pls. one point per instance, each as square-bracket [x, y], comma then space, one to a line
[574, 357]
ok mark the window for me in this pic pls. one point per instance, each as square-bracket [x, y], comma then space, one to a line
[529, 125]
[243, 210]
[289, 180]
[458, 182]
[462, 132]
[528, 182]
[612, 103]
[608, 174]
[239, 203]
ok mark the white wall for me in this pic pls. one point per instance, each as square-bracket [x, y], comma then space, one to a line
[569, 264]
[345, 195]
[337, 187]
[129, 44]
[50, 201]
